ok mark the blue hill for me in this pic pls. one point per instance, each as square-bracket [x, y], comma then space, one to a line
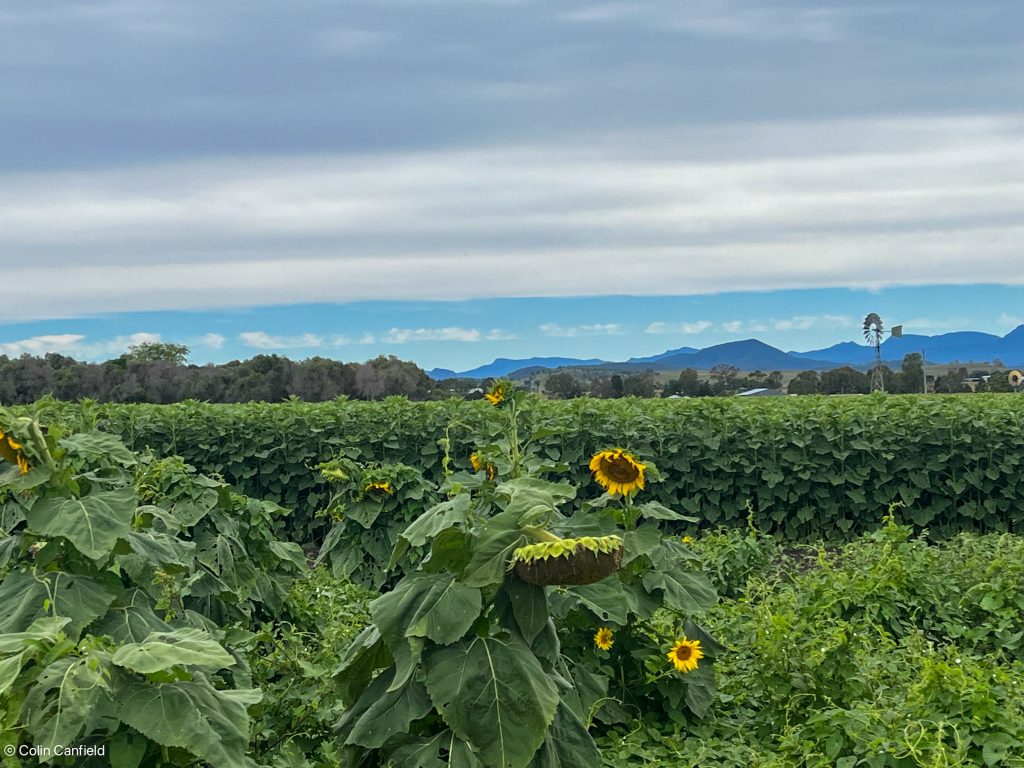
[960, 346]
[503, 366]
[751, 354]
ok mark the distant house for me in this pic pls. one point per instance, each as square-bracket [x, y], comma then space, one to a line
[762, 392]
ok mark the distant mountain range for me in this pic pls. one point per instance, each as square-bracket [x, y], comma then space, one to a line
[751, 354]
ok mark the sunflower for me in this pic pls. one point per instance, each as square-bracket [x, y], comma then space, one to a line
[1015, 378]
[603, 639]
[688, 540]
[497, 394]
[380, 487]
[618, 472]
[10, 450]
[479, 464]
[685, 654]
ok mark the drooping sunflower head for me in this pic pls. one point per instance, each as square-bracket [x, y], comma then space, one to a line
[686, 654]
[498, 393]
[12, 451]
[618, 472]
[379, 488]
[603, 639]
[479, 463]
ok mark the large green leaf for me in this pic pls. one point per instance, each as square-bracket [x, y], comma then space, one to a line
[529, 607]
[652, 510]
[68, 699]
[642, 541]
[683, 591]
[427, 753]
[93, 523]
[194, 716]
[446, 612]
[493, 693]
[492, 549]
[390, 715]
[364, 512]
[43, 630]
[290, 552]
[528, 493]
[606, 599]
[23, 599]
[424, 605]
[179, 647]
[700, 689]
[567, 744]
[10, 668]
[99, 445]
[8, 546]
[423, 752]
[592, 688]
[131, 620]
[447, 514]
[362, 658]
[161, 548]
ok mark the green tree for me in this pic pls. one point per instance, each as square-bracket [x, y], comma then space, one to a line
[562, 386]
[805, 383]
[844, 381]
[158, 351]
[724, 376]
[999, 382]
[910, 379]
[641, 385]
[952, 381]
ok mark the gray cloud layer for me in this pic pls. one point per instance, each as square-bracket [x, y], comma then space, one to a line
[160, 154]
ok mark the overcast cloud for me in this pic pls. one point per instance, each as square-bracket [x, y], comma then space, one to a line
[185, 154]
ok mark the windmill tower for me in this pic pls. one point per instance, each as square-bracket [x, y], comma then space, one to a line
[873, 332]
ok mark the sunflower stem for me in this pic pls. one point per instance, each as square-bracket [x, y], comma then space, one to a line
[515, 455]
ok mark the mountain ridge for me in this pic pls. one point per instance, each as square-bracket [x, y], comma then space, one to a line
[969, 347]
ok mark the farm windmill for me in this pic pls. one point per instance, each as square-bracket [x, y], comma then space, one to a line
[873, 332]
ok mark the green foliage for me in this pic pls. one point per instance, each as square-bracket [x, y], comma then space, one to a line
[158, 351]
[812, 467]
[293, 663]
[125, 584]
[371, 505]
[889, 652]
[813, 675]
[472, 668]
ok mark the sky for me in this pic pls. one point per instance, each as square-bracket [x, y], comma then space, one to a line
[451, 181]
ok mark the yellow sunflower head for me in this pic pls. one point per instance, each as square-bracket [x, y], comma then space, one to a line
[688, 540]
[498, 393]
[11, 451]
[685, 654]
[478, 463]
[379, 488]
[603, 639]
[618, 472]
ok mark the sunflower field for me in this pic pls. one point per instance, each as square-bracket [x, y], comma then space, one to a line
[810, 467]
[514, 583]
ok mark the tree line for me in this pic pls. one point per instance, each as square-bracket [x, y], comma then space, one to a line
[724, 380]
[160, 373]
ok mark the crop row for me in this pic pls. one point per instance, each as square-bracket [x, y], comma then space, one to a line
[808, 467]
